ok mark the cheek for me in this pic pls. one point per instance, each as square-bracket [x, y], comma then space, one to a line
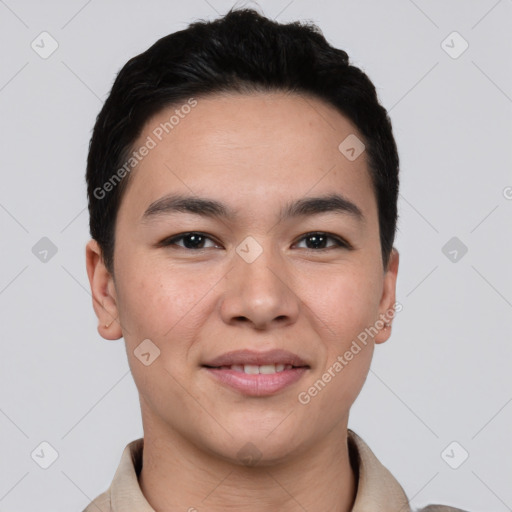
[351, 310]
[347, 309]
[168, 307]
[346, 377]
[159, 301]
[346, 303]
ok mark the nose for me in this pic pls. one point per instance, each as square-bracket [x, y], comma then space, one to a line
[259, 295]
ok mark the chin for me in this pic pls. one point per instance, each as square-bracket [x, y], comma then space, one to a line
[256, 442]
[248, 451]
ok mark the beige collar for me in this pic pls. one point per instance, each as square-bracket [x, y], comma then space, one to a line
[377, 491]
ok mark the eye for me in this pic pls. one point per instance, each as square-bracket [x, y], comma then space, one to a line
[196, 240]
[191, 240]
[319, 240]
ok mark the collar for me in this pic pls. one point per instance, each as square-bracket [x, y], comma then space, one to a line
[377, 489]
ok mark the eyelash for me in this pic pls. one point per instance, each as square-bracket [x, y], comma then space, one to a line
[338, 241]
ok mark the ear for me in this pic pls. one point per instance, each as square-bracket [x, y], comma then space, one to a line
[388, 298]
[104, 300]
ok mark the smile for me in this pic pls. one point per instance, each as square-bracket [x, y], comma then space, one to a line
[254, 369]
[257, 373]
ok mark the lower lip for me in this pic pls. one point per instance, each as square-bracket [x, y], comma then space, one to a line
[261, 384]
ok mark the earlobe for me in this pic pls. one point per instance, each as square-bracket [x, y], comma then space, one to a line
[104, 299]
[387, 304]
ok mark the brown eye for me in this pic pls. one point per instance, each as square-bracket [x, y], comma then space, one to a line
[192, 240]
[319, 241]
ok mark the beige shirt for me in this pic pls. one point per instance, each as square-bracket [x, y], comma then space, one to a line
[377, 490]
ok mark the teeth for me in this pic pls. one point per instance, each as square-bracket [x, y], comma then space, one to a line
[254, 369]
[251, 368]
[268, 368]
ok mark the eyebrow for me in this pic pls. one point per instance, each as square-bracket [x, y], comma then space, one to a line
[173, 203]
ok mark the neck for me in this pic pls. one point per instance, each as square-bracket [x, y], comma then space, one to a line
[177, 475]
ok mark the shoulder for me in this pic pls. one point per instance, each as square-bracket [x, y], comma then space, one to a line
[102, 502]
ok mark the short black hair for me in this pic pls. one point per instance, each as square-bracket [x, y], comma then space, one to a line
[242, 51]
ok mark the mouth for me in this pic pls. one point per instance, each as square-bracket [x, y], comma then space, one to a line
[254, 369]
[257, 373]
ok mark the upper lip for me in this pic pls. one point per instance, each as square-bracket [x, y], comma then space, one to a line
[243, 357]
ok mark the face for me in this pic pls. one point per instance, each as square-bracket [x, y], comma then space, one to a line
[247, 251]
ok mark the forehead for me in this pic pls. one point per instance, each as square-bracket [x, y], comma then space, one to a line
[249, 147]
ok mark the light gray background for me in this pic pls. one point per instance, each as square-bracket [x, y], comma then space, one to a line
[445, 373]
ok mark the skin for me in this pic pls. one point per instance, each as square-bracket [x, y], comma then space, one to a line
[254, 153]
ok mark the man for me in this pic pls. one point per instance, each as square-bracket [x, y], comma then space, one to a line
[243, 180]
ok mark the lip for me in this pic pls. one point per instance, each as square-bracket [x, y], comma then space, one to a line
[240, 357]
[256, 384]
